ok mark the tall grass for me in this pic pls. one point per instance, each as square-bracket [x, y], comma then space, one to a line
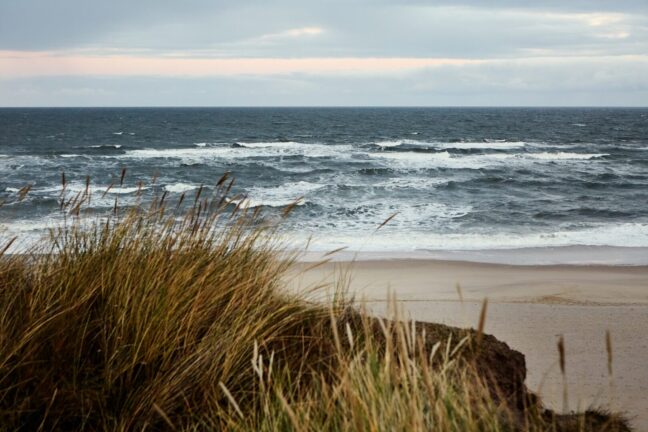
[173, 316]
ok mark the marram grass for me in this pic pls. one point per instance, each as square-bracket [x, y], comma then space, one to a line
[173, 317]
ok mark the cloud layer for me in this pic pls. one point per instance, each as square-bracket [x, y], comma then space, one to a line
[75, 52]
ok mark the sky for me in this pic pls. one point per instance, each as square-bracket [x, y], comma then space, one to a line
[323, 53]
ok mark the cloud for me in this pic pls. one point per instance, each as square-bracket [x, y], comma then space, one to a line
[530, 82]
[312, 52]
[369, 28]
[20, 64]
[293, 33]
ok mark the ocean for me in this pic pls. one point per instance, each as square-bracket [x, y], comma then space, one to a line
[458, 179]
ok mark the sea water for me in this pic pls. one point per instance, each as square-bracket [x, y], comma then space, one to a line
[458, 179]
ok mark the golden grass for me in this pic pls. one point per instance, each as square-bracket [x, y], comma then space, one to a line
[173, 317]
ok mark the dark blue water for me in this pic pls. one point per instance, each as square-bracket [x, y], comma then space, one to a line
[459, 178]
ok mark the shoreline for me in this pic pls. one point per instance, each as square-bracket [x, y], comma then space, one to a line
[575, 255]
[530, 306]
[437, 280]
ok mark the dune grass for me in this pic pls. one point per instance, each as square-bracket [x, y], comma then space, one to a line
[172, 316]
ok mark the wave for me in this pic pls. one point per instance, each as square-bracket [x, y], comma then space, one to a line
[415, 160]
[566, 156]
[397, 143]
[615, 235]
[487, 144]
[180, 187]
[421, 183]
[280, 196]
[106, 146]
[419, 160]
[240, 150]
[81, 187]
[29, 225]
[273, 144]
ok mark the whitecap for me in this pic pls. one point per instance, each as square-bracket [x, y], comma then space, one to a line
[243, 150]
[248, 202]
[398, 142]
[421, 183]
[487, 145]
[77, 187]
[115, 146]
[282, 195]
[415, 160]
[463, 145]
[566, 156]
[180, 187]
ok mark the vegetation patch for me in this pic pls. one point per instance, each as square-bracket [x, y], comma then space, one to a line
[173, 316]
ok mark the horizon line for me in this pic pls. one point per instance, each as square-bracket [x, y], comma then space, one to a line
[311, 106]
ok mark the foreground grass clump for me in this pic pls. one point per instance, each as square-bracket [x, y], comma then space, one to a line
[151, 320]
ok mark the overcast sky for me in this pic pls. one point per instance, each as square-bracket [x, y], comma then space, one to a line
[307, 52]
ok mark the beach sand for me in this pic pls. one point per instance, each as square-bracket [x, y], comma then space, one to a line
[529, 308]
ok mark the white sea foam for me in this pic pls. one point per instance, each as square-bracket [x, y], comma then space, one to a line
[616, 235]
[398, 142]
[28, 225]
[282, 195]
[421, 183]
[180, 187]
[417, 160]
[115, 146]
[118, 190]
[485, 145]
[488, 145]
[566, 156]
[579, 124]
[77, 187]
[271, 144]
[243, 150]
[118, 133]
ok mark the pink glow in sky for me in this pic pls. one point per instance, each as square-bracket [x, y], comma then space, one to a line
[21, 64]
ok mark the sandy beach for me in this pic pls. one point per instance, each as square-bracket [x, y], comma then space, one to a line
[529, 308]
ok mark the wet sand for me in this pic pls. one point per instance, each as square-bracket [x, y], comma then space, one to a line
[529, 308]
